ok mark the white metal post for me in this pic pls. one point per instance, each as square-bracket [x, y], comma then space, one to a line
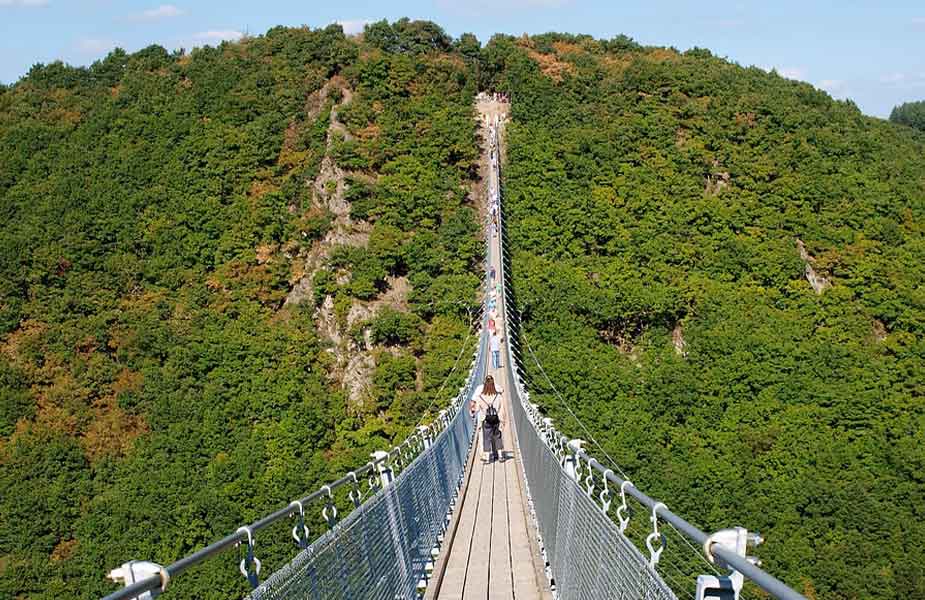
[385, 474]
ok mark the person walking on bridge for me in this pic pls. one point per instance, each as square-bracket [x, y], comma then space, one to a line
[488, 409]
[494, 345]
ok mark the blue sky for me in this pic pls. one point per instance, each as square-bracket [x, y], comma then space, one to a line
[872, 52]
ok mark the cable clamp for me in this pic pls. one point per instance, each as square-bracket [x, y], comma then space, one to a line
[623, 515]
[604, 496]
[331, 517]
[589, 480]
[655, 553]
[249, 558]
[300, 530]
[355, 494]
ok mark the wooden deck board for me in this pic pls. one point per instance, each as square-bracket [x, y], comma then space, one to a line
[476, 587]
[522, 560]
[500, 577]
[457, 565]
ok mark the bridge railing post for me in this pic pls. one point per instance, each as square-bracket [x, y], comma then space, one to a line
[572, 463]
[136, 570]
[738, 540]
[385, 473]
[424, 430]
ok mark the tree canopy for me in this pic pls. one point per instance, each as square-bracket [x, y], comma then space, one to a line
[910, 113]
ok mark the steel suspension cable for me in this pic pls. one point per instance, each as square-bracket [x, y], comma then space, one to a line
[569, 409]
[446, 380]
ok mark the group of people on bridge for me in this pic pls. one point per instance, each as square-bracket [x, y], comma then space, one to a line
[493, 209]
[486, 404]
[503, 97]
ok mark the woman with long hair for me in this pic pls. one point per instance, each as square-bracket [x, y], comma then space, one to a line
[488, 408]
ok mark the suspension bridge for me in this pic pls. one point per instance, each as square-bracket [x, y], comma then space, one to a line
[431, 520]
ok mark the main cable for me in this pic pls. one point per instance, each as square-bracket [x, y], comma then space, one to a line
[462, 349]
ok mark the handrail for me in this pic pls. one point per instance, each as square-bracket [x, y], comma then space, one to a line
[174, 569]
[157, 582]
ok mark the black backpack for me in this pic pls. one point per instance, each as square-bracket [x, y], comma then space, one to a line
[491, 416]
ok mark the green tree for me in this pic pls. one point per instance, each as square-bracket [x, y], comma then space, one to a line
[910, 113]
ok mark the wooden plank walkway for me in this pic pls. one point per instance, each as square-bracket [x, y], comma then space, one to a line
[491, 551]
[492, 555]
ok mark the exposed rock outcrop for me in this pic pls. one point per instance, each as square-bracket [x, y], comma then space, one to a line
[818, 282]
[677, 340]
[717, 180]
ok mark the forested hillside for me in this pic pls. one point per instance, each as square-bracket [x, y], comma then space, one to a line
[226, 276]
[722, 272]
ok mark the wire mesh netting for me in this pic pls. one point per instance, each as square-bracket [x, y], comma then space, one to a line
[381, 549]
[587, 554]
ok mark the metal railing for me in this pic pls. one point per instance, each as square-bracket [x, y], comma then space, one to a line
[385, 548]
[588, 555]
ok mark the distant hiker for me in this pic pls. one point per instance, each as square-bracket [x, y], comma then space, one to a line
[487, 408]
[495, 347]
[491, 273]
[491, 326]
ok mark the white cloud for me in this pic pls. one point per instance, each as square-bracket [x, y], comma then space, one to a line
[795, 73]
[904, 80]
[835, 87]
[798, 73]
[25, 3]
[94, 46]
[164, 11]
[210, 37]
[728, 23]
[217, 35]
[353, 26]
[893, 78]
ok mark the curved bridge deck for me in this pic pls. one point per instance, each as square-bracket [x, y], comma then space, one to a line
[491, 552]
